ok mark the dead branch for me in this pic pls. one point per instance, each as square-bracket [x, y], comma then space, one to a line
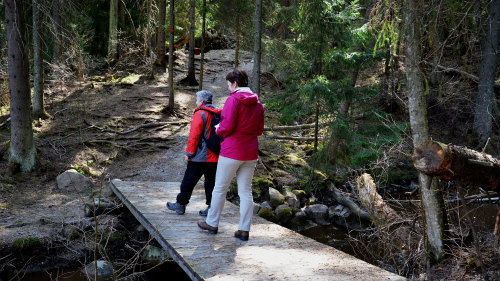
[348, 202]
[5, 122]
[291, 138]
[458, 71]
[293, 128]
[147, 125]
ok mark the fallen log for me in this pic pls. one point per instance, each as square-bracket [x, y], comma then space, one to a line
[451, 162]
[294, 127]
[397, 231]
[348, 202]
[291, 138]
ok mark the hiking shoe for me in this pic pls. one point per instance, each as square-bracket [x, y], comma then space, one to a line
[205, 226]
[204, 213]
[178, 208]
[242, 235]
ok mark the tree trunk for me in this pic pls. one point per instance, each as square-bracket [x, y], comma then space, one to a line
[202, 60]
[57, 33]
[160, 44]
[171, 101]
[38, 105]
[486, 104]
[113, 31]
[191, 76]
[237, 47]
[452, 162]
[434, 214]
[22, 149]
[257, 47]
[148, 29]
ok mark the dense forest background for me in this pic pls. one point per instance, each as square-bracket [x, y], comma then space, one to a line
[373, 78]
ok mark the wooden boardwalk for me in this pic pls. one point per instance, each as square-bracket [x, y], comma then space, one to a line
[272, 252]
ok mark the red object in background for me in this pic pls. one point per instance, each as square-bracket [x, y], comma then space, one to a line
[171, 30]
[197, 51]
[278, 24]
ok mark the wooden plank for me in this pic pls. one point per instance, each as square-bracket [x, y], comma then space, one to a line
[272, 252]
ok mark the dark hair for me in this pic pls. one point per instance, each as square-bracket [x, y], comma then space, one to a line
[238, 76]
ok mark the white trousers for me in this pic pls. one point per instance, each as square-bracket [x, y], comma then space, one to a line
[227, 168]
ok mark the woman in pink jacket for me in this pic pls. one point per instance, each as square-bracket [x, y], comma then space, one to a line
[241, 124]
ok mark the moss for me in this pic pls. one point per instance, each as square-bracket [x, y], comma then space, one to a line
[26, 243]
[301, 194]
[267, 214]
[295, 160]
[283, 213]
[258, 182]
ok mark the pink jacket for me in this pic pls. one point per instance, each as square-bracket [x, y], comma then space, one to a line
[242, 121]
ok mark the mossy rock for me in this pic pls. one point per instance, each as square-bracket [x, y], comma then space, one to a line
[267, 214]
[301, 194]
[295, 160]
[283, 213]
[26, 243]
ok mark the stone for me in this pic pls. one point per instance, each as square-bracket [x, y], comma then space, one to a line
[300, 194]
[154, 255]
[266, 204]
[318, 212]
[275, 198]
[256, 208]
[72, 180]
[267, 214]
[284, 213]
[291, 199]
[104, 270]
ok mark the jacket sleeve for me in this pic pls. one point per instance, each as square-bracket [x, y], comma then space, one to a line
[194, 134]
[228, 118]
[261, 121]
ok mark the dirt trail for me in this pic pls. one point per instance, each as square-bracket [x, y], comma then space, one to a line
[32, 205]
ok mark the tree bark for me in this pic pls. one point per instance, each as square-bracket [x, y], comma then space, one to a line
[160, 44]
[452, 162]
[202, 60]
[257, 47]
[57, 33]
[38, 104]
[191, 76]
[171, 101]
[431, 196]
[22, 149]
[237, 46]
[486, 104]
[113, 31]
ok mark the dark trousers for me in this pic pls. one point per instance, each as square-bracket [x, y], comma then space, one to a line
[193, 173]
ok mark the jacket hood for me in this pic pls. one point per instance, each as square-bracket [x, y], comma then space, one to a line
[209, 107]
[245, 95]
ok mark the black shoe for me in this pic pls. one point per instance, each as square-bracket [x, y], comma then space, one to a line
[242, 235]
[205, 226]
[204, 213]
[178, 208]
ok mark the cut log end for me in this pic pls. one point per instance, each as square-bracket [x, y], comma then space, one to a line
[428, 157]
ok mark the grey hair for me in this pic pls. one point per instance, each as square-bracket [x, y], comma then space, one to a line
[204, 95]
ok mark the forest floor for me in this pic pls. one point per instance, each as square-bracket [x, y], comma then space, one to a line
[87, 132]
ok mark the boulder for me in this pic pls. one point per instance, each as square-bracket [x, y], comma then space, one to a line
[256, 208]
[72, 180]
[266, 204]
[284, 213]
[104, 270]
[275, 198]
[267, 214]
[154, 255]
[291, 199]
[318, 212]
[338, 211]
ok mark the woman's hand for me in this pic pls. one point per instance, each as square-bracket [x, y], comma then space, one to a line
[186, 158]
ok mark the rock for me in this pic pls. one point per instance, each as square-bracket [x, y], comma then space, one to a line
[295, 160]
[267, 214]
[300, 194]
[301, 214]
[154, 255]
[284, 213]
[291, 199]
[256, 208]
[318, 212]
[275, 197]
[104, 270]
[338, 211]
[266, 204]
[72, 180]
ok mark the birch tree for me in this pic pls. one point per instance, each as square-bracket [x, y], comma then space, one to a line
[431, 196]
[22, 152]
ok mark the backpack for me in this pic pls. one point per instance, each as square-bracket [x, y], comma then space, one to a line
[213, 141]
